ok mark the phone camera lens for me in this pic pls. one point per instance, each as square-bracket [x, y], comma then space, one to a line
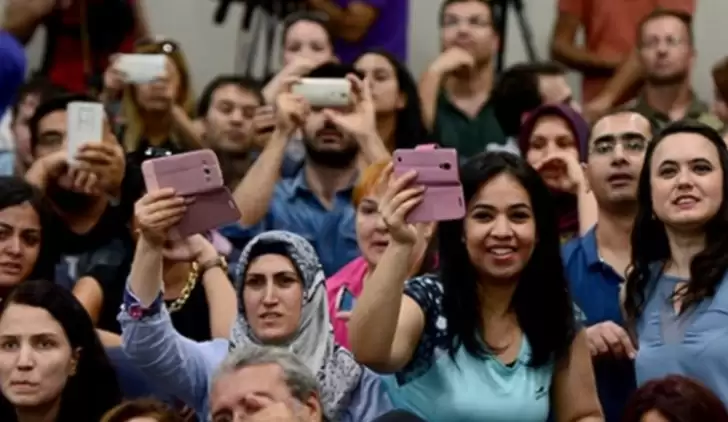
[445, 166]
[399, 159]
[206, 171]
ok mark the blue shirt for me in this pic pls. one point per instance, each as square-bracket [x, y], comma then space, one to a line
[595, 290]
[7, 163]
[296, 209]
[467, 388]
[692, 344]
[12, 68]
[184, 369]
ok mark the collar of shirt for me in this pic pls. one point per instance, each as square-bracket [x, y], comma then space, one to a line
[300, 186]
[591, 251]
[694, 110]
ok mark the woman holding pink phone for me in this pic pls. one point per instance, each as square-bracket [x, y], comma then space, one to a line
[372, 237]
[493, 335]
[281, 293]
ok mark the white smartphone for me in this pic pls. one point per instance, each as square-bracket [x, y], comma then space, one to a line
[142, 68]
[324, 92]
[85, 124]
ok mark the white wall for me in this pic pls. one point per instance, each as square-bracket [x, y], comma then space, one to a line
[212, 50]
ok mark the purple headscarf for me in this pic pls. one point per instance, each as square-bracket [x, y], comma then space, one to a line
[566, 203]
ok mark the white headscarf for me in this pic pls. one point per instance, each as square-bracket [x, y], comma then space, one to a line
[337, 372]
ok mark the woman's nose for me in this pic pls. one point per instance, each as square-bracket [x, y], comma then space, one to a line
[13, 246]
[270, 297]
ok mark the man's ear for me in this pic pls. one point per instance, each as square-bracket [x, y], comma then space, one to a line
[585, 171]
[312, 407]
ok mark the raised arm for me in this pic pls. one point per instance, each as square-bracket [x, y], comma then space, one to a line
[21, 18]
[254, 193]
[386, 326]
[429, 87]
[563, 43]
[179, 366]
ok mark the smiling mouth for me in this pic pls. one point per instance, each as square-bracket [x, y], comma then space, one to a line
[684, 200]
[270, 316]
[501, 251]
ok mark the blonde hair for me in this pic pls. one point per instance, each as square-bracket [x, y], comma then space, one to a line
[134, 125]
[368, 181]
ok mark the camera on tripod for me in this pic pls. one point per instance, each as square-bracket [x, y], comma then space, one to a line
[276, 8]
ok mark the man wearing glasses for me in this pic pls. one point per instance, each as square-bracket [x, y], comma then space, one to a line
[596, 263]
[667, 56]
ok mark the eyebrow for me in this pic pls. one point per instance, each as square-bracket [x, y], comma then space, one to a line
[276, 274]
[699, 160]
[621, 135]
[518, 206]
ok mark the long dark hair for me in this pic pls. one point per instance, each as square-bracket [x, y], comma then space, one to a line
[94, 389]
[678, 399]
[16, 191]
[650, 246]
[541, 300]
[410, 130]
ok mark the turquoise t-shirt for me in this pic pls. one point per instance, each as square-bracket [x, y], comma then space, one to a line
[440, 389]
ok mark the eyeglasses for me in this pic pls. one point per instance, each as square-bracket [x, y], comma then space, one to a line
[631, 143]
[670, 42]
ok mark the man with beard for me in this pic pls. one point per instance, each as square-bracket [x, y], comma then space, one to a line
[316, 202]
[87, 197]
[456, 88]
[227, 109]
[596, 263]
[667, 55]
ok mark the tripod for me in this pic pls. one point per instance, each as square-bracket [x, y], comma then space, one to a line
[262, 30]
[500, 11]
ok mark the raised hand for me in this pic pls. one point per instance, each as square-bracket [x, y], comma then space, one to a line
[398, 201]
[453, 59]
[291, 110]
[157, 212]
[361, 120]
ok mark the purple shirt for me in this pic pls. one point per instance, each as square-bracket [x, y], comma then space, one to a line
[388, 32]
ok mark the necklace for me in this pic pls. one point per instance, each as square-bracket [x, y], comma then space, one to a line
[186, 290]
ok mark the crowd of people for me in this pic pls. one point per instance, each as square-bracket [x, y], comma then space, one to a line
[583, 284]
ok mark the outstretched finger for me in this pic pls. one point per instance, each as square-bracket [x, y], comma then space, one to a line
[288, 83]
[403, 197]
[401, 212]
[396, 184]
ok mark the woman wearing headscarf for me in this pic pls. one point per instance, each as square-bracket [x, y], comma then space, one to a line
[282, 301]
[554, 141]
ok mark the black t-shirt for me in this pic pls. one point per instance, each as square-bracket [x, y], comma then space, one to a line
[109, 266]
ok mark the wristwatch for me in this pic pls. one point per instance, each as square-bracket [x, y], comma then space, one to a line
[220, 261]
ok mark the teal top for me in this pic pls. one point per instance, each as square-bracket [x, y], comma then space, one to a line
[466, 388]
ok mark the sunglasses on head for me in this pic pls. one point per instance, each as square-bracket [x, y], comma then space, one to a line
[163, 45]
[156, 152]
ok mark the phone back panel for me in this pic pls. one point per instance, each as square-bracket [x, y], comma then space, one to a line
[437, 170]
[189, 173]
[209, 210]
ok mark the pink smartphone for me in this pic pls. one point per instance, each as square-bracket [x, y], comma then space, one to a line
[208, 210]
[437, 170]
[189, 173]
